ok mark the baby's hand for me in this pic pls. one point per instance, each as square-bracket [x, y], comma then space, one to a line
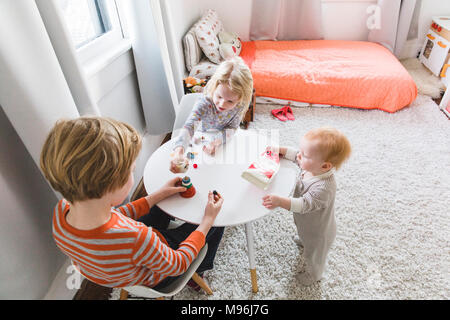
[271, 201]
[277, 149]
[273, 149]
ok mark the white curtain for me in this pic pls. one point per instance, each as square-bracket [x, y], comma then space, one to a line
[395, 21]
[158, 99]
[286, 20]
[33, 89]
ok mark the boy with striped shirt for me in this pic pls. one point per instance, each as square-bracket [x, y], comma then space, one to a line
[90, 161]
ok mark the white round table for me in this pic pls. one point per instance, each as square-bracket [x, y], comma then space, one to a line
[222, 172]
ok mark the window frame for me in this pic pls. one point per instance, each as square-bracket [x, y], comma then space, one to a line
[95, 48]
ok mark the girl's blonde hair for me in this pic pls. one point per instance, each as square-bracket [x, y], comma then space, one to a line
[236, 74]
[332, 144]
[86, 158]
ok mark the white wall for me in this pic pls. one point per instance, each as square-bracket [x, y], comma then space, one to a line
[345, 20]
[29, 258]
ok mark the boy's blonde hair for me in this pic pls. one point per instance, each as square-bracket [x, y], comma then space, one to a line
[333, 145]
[86, 158]
[236, 74]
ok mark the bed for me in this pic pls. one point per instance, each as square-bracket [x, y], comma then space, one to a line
[357, 74]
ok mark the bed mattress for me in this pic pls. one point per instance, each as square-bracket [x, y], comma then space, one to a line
[355, 74]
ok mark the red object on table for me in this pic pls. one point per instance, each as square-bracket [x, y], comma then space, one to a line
[189, 193]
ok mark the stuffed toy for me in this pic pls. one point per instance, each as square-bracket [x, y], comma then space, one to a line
[193, 84]
[230, 44]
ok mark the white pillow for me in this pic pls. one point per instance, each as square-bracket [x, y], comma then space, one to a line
[192, 51]
[204, 69]
[206, 31]
[230, 44]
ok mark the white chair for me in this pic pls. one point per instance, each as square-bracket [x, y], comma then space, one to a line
[174, 287]
[186, 104]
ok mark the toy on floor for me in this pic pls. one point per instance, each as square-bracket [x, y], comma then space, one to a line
[190, 192]
[262, 171]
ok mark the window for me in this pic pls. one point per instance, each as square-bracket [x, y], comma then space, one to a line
[94, 26]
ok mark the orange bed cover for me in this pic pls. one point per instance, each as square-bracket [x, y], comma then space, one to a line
[356, 74]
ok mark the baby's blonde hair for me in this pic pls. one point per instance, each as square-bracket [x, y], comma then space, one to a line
[87, 157]
[236, 74]
[333, 145]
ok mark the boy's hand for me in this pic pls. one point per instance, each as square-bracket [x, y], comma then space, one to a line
[172, 187]
[271, 201]
[214, 205]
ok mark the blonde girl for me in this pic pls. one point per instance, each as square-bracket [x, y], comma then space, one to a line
[226, 99]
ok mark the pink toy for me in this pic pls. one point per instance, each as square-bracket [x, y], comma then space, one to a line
[262, 171]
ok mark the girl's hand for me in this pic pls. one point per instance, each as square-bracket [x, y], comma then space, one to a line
[178, 159]
[172, 187]
[271, 201]
[212, 147]
[212, 209]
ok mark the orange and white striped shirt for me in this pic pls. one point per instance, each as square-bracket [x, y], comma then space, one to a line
[123, 252]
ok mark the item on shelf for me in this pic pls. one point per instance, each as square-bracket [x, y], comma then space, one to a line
[193, 85]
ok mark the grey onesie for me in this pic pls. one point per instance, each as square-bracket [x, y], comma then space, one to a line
[312, 205]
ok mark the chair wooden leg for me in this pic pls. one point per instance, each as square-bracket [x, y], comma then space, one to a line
[254, 280]
[123, 294]
[198, 280]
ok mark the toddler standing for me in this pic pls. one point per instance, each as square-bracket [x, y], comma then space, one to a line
[322, 151]
[221, 109]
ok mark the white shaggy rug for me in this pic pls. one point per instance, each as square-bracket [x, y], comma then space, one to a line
[392, 211]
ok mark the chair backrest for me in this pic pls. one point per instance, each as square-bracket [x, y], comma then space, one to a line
[175, 286]
[186, 104]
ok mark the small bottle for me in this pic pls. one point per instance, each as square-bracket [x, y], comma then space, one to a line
[190, 192]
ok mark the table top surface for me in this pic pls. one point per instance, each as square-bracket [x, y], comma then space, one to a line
[221, 172]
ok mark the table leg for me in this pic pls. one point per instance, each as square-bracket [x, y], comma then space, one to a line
[251, 255]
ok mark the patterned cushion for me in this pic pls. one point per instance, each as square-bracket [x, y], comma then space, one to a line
[230, 44]
[192, 51]
[204, 69]
[206, 31]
